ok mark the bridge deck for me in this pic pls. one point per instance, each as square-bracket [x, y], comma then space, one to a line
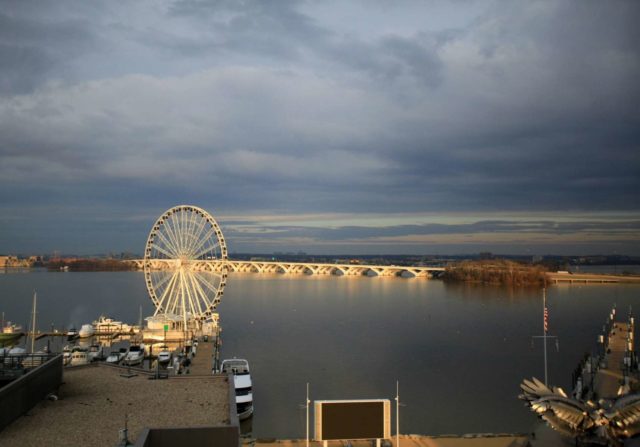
[308, 268]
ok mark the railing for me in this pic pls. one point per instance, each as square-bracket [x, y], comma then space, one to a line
[21, 394]
[16, 365]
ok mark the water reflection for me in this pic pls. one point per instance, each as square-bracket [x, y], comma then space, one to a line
[459, 351]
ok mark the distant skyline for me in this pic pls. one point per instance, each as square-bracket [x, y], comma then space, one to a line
[360, 127]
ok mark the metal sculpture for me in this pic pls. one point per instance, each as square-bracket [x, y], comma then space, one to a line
[607, 422]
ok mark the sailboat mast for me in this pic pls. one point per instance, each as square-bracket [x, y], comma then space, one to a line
[33, 323]
[544, 327]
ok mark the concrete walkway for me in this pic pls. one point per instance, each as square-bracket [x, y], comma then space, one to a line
[202, 362]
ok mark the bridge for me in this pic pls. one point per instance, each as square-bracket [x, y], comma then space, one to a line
[566, 277]
[294, 268]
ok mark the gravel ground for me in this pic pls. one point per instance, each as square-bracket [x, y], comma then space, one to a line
[93, 402]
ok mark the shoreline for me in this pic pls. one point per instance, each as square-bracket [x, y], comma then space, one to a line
[552, 278]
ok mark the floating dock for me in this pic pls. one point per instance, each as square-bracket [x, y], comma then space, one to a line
[614, 369]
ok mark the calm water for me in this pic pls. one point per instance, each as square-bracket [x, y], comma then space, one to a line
[458, 351]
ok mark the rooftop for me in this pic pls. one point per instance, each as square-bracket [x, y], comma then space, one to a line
[94, 400]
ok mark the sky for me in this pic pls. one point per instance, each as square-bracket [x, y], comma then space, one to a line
[346, 127]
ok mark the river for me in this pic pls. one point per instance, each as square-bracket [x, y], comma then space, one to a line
[458, 351]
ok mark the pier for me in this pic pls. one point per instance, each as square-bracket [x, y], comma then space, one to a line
[614, 371]
[603, 407]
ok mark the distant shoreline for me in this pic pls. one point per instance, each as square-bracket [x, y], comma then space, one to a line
[486, 272]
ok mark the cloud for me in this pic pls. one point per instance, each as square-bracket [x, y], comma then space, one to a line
[290, 107]
[502, 236]
[32, 49]
[626, 229]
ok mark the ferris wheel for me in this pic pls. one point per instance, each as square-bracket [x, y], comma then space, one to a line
[185, 263]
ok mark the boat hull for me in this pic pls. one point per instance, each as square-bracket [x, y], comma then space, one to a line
[86, 331]
[79, 359]
[132, 362]
[246, 414]
[6, 338]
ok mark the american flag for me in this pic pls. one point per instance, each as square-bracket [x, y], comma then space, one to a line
[546, 319]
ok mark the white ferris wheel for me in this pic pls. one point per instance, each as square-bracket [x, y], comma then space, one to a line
[185, 264]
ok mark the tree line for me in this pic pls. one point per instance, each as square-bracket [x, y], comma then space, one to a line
[497, 271]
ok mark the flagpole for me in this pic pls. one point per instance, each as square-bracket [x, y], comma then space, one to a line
[544, 327]
[545, 332]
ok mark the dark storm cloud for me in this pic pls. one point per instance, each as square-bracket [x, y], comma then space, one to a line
[319, 234]
[306, 107]
[33, 47]
[278, 29]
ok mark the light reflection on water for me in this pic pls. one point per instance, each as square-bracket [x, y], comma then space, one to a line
[459, 351]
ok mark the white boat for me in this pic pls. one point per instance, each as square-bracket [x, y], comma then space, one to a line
[72, 333]
[66, 355]
[79, 356]
[35, 359]
[95, 352]
[164, 356]
[10, 333]
[242, 384]
[134, 356]
[86, 331]
[17, 351]
[117, 356]
[108, 325]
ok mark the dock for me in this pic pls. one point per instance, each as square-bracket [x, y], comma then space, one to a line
[613, 370]
[202, 363]
[207, 356]
[111, 334]
[613, 375]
